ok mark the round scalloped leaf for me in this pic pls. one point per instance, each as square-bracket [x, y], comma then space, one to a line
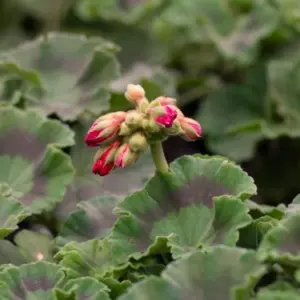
[35, 280]
[179, 205]
[277, 295]
[10, 254]
[87, 186]
[152, 288]
[103, 259]
[66, 74]
[34, 246]
[86, 289]
[223, 273]
[282, 243]
[126, 11]
[33, 170]
[92, 219]
[11, 213]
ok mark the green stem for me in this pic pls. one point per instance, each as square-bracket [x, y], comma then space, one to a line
[158, 157]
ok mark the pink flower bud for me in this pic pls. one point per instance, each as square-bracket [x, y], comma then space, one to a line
[104, 159]
[164, 115]
[191, 129]
[134, 93]
[104, 129]
[125, 156]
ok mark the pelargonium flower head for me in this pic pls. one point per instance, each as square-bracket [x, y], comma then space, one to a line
[164, 115]
[191, 129]
[125, 156]
[104, 159]
[104, 129]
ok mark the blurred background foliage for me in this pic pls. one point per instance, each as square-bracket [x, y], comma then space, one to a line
[234, 65]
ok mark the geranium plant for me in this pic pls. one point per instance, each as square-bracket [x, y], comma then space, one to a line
[109, 187]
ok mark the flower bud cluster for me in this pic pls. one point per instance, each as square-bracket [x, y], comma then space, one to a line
[123, 136]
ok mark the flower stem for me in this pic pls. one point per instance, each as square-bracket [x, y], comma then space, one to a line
[158, 157]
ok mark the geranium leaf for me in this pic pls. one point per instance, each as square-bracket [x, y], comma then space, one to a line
[223, 273]
[35, 280]
[152, 288]
[10, 254]
[33, 170]
[170, 206]
[196, 226]
[282, 243]
[11, 213]
[126, 11]
[86, 289]
[277, 295]
[84, 68]
[87, 186]
[102, 258]
[34, 246]
[92, 219]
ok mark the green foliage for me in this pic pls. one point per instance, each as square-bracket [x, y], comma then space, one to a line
[208, 229]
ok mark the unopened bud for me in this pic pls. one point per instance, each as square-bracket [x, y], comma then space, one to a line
[124, 130]
[125, 156]
[138, 142]
[134, 93]
[104, 159]
[164, 115]
[104, 129]
[191, 129]
[134, 119]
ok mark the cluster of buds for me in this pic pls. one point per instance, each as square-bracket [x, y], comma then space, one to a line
[123, 136]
